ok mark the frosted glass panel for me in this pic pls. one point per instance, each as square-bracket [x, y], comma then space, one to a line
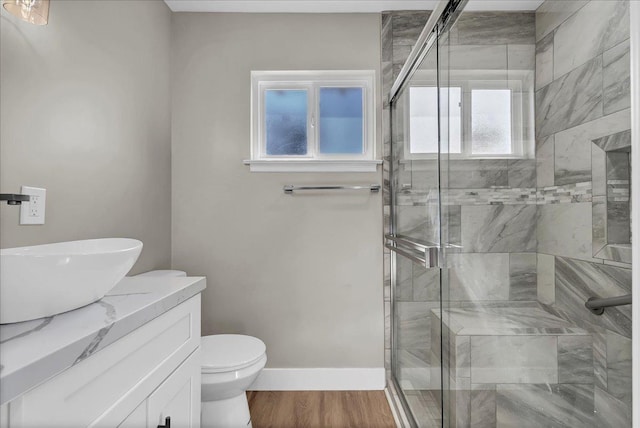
[286, 121]
[423, 118]
[341, 123]
[491, 121]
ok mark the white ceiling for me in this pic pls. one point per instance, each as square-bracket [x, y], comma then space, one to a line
[336, 6]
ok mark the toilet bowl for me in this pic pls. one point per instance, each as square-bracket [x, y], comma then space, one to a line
[230, 364]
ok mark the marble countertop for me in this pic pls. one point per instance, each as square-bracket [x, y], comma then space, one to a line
[34, 351]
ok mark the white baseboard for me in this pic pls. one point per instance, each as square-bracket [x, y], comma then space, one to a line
[320, 379]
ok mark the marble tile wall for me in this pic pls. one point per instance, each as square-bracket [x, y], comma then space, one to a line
[582, 99]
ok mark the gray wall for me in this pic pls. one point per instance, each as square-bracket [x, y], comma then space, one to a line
[582, 95]
[85, 113]
[302, 272]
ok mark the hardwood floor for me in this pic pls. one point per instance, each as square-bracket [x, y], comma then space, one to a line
[320, 409]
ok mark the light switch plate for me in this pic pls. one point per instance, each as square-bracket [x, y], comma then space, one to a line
[32, 212]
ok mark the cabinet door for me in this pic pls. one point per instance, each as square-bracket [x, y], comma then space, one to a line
[178, 397]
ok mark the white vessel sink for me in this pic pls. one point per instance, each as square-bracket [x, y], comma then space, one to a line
[45, 280]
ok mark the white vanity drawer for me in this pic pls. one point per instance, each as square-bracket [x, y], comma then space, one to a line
[116, 379]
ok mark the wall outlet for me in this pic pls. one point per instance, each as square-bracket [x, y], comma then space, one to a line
[32, 212]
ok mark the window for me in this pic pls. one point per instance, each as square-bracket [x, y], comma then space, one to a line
[485, 120]
[423, 119]
[312, 121]
[491, 121]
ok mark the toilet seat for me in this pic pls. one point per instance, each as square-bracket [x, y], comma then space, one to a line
[230, 352]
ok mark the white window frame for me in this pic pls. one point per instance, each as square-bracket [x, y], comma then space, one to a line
[468, 83]
[313, 161]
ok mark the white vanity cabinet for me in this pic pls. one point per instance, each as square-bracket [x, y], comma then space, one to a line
[146, 376]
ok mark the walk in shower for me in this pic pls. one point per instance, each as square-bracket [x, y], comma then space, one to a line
[508, 169]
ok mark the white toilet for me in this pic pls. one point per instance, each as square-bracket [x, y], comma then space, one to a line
[230, 364]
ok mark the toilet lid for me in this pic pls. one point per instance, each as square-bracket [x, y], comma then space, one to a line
[227, 352]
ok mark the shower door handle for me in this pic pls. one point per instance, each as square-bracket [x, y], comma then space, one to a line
[426, 255]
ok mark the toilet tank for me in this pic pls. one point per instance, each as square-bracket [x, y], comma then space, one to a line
[164, 273]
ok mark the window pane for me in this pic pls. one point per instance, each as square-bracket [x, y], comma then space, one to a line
[341, 120]
[491, 121]
[423, 118]
[286, 121]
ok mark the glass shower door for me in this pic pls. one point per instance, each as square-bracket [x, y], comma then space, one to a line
[416, 360]
[497, 333]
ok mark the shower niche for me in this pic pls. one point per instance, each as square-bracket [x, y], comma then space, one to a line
[611, 172]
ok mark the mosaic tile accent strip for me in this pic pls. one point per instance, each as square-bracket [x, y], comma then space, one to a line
[568, 193]
[578, 192]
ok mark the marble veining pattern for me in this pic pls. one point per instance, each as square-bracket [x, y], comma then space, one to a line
[615, 141]
[492, 28]
[545, 161]
[478, 276]
[572, 161]
[507, 320]
[599, 340]
[522, 173]
[544, 61]
[577, 280]
[617, 78]
[483, 406]
[609, 411]
[522, 276]
[33, 351]
[27, 329]
[619, 366]
[110, 317]
[565, 230]
[575, 359]
[514, 359]
[406, 27]
[546, 281]
[500, 228]
[561, 106]
[599, 25]
[473, 174]
[551, 14]
[533, 406]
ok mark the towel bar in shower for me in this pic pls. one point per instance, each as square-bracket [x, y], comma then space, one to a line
[425, 255]
[597, 306]
[373, 188]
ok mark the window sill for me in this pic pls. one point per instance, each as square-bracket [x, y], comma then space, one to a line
[313, 165]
